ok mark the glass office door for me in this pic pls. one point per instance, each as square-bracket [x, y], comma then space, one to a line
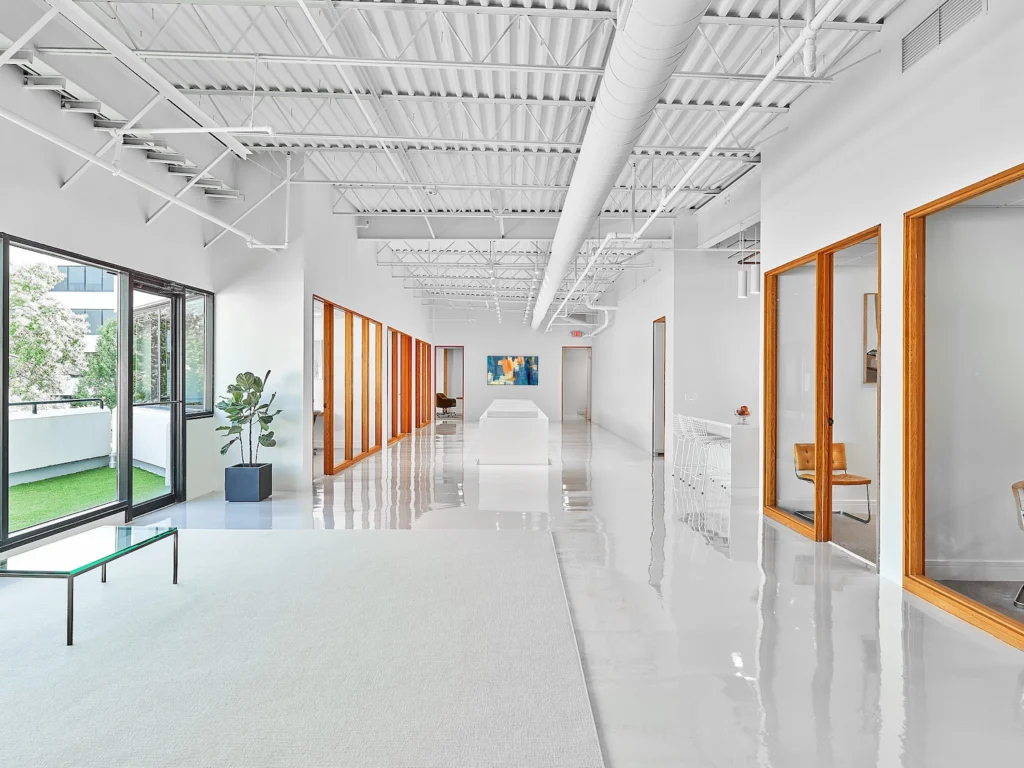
[157, 396]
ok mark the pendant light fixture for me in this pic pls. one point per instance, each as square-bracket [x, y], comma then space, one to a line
[755, 277]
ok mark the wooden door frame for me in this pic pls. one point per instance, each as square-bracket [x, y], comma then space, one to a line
[423, 382]
[401, 385]
[664, 386]
[589, 382]
[824, 334]
[914, 417]
[331, 465]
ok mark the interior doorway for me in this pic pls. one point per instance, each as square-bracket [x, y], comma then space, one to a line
[449, 382]
[576, 387]
[658, 395]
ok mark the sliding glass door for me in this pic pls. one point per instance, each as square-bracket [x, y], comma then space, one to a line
[157, 393]
[101, 366]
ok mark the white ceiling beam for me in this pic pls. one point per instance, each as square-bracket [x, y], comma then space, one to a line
[312, 140]
[270, 59]
[246, 93]
[790, 23]
[113, 47]
[472, 7]
[486, 187]
[670, 154]
[485, 214]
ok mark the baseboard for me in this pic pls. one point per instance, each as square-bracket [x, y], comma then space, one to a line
[975, 570]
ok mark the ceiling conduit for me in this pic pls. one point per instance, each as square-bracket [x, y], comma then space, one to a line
[651, 37]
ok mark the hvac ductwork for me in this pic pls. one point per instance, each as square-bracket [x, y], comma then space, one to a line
[651, 37]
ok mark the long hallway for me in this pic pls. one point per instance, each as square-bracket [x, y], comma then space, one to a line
[708, 636]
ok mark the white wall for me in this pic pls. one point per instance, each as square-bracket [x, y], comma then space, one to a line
[623, 356]
[483, 335]
[974, 410]
[57, 436]
[575, 382]
[456, 373]
[878, 143]
[717, 339]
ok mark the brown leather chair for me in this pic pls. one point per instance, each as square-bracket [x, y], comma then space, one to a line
[804, 458]
[445, 402]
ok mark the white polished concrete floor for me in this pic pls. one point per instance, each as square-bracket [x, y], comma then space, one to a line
[709, 636]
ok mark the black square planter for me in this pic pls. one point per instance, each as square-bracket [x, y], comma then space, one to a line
[248, 482]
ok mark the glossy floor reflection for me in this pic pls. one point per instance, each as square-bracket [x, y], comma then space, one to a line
[709, 636]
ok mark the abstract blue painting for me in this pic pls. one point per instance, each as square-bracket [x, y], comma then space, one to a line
[508, 370]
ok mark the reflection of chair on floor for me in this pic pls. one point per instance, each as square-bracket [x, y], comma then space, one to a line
[444, 403]
[1017, 488]
[803, 459]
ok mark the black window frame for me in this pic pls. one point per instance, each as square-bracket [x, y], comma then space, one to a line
[128, 278]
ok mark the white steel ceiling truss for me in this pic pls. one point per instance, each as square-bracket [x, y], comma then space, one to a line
[475, 108]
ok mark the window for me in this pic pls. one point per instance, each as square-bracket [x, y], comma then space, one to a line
[198, 357]
[63, 449]
[96, 317]
[95, 396]
[84, 280]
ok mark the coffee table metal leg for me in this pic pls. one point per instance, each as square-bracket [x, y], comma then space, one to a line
[71, 608]
[103, 573]
[175, 557]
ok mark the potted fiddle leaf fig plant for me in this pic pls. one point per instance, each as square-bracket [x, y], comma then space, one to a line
[250, 427]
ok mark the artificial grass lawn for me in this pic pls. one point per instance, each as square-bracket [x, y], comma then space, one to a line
[43, 500]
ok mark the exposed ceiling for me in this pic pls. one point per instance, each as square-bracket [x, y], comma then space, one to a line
[435, 112]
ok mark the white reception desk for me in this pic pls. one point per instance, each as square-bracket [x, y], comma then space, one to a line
[513, 432]
[743, 453]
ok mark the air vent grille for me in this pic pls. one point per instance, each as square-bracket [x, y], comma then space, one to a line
[938, 27]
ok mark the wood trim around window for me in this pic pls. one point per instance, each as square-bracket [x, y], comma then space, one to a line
[771, 398]
[915, 580]
[824, 301]
[338, 457]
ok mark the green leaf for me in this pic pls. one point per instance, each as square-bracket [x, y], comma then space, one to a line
[267, 442]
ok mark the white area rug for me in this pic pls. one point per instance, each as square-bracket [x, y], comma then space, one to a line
[301, 649]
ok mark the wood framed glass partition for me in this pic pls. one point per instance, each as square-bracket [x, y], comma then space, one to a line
[963, 526]
[795, 412]
[799, 390]
[353, 396]
[400, 371]
[424, 387]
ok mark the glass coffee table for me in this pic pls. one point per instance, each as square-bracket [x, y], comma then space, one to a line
[83, 552]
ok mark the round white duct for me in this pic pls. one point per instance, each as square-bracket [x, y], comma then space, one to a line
[645, 53]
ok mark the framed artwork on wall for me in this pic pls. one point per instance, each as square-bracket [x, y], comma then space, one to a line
[510, 370]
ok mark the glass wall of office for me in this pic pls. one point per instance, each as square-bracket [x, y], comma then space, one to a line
[424, 384]
[855, 404]
[352, 413]
[400, 374]
[83, 337]
[791, 387]
[822, 337]
[963, 364]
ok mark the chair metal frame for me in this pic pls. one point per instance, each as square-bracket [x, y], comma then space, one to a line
[838, 463]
